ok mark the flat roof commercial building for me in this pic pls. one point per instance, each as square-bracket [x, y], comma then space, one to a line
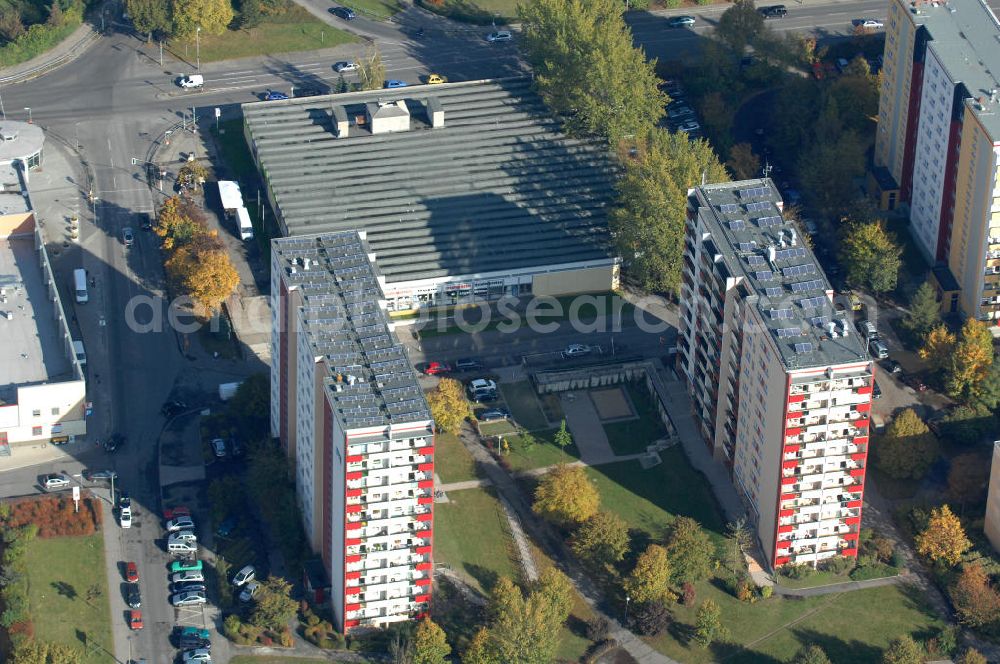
[780, 382]
[464, 190]
[350, 414]
[42, 386]
[939, 137]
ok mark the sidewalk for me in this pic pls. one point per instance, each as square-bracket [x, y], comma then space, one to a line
[65, 51]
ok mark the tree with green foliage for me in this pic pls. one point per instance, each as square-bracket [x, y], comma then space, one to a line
[971, 656]
[970, 362]
[650, 579]
[872, 257]
[937, 348]
[943, 538]
[648, 223]
[250, 407]
[563, 438]
[480, 649]
[371, 69]
[740, 25]
[150, 16]
[601, 540]
[523, 629]
[967, 478]
[812, 654]
[743, 164]
[708, 625]
[828, 166]
[587, 69]
[690, 550]
[566, 496]
[273, 607]
[908, 448]
[967, 424]
[212, 16]
[430, 643]
[924, 313]
[903, 650]
[224, 589]
[251, 14]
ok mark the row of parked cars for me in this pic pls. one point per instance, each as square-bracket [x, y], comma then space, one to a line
[680, 115]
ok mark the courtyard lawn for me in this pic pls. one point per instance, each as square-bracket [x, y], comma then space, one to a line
[289, 32]
[632, 436]
[473, 538]
[452, 462]
[523, 405]
[650, 499]
[60, 572]
[543, 453]
[573, 641]
[852, 627]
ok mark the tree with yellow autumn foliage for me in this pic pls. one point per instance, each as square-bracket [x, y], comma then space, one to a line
[943, 539]
[937, 348]
[180, 221]
[202, 269]
[448, 405]
[970, 362]
[566, 496]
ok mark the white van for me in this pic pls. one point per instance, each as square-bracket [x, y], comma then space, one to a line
[181, 547]
[243, 224]
[191, 81]
[80, 285]
[81, 354]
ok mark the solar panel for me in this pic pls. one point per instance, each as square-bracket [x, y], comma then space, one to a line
[764, 275]
[774, 291]
[804, 347]
[788, 254]
[754, 192]
[812, 302]
[785, 332]
[819, 321]
[746, 246]
[765, 222]
[737, 225]
[778, 314]
[729, 208]
[758, 206]
[756, 260]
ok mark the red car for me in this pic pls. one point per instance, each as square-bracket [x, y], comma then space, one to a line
[131, 572]
[174, 512]
[437, 368]
[135, 619]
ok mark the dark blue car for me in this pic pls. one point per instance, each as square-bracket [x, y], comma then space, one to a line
[274, 95]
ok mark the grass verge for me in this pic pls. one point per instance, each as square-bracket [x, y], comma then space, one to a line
[452, 461]
[523, 404]
[61, 572]
[380, 9]
[275, 659]
[543, 453]
[632, 436]
[474, 538]
[289, 32]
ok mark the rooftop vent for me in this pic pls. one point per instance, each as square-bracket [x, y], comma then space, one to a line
[341, 123]
[435, 112]
[386, 117]
[8, 134]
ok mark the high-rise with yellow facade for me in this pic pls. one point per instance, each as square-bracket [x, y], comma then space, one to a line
[939, 138]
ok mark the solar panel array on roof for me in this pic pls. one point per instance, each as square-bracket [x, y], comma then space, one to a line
[758, 206]
[779, 314]
[799, 270]
[785, 332]
[812, 302]
[805, 347]
[756, 260]
[819, 321]
[790, 253]
[729, 208]
[774, 291]
[766, 222]
[804, 286]
[763, 275]
[737, 225]
[746, 246]
[754, 192]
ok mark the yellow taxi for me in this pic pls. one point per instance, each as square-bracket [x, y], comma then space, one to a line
[434, 79]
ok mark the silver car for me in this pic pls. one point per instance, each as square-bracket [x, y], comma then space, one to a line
[188, 599]
[55, 481]
[342, 67]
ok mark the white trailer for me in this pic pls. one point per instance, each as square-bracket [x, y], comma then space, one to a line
[243, 224]
[232, 198]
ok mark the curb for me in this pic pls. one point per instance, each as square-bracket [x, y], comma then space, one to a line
[76, 51]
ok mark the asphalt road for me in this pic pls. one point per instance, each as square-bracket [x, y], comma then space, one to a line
[116, 99]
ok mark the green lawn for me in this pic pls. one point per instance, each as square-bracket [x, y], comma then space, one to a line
[275, 659]
[523, 404]
[543, 453]
[452, 462]
[294, 30]
[380, 9]
[817, 578]
[497, 428]
[852, 627]
[60, 570]
[473, 538]
[573, 641]
[649, 499]
[632, 436]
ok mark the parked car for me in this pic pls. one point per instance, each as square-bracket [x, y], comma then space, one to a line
[190, 576]
[135, 619]
[171, 408]
[499, 36]
[176, 511]
[132, 596]
[125, 517]
[306, 91]
[146, 219]
[185, 548]
[249, 590]
[493, 414]
[182, 536]
[188, 599]
[395, 83]
[342, 67]
[482, 389]
[127, 236]
[200, 655]
[226, 528]
[436, 79]
[878, 348]
[576, 350]
[867, 329]
[345, 13]
[680, 112]
[55, 481]
[468, 364]
[437, 368]
[180, 523]
[869, 24]
[189, 565]
[99, 475]
[274, 95]
[131, 572]
[244, 576]
[197, 632]
[773, 11]
[689, 127]
[115, 441]
[892, 366]
[681, 22]
[190, 642]
[188, 587]
[219, 447]
[124, 500]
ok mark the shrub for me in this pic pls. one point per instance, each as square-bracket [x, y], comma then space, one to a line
[327, 644]
[232, 628]
[744, 591]
[766, 592]
[598, 629]
[286, 639]
[799, 571]
[837, 564]
[688, 594]
[312, 620]
[651, 618]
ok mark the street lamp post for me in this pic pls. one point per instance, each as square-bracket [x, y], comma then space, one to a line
[627, 600]
[197, 45]
[28, 109]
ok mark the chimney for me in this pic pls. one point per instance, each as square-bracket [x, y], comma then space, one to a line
[435, 112]
[340, 121]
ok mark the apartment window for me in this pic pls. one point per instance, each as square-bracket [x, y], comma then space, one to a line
[36, 413]
[36, 431]
[55, 411]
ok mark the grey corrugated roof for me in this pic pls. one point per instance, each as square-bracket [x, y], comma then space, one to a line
[497, 188]
[746, 223]
[965, 34]
[371, 381]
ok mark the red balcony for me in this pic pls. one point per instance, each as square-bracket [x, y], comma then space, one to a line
[352, 559]
[352, 607]
[850, 553]
[860, 456]
[423, 582]
[796, 398]
[352, 575]
[784, 529]
[419, 599]
[783, 513]
[787, 481]
[423, 549]
[426, 450]
[793, 431]
[355, 458]
[424, 534]
[789, 496]
[353, 526]
[789, 465]
[867, 389]
[853, 520]
[425, 565]
[783, 545]
[425, 484]
[425, 500]
[862, 423]
[352, 541]
[351, 623]
[352, 590]
[854, 503]
[354, 475]
[425, 517]
[354, 493]
[426, 467]
[783, 560]
[863, 407]
[857, 472]
[855, 488]
[352, 509]
[850, 536]
[861, 440]
[792, 449]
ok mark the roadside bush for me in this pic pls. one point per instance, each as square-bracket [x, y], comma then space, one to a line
[54, 516]
[766, 592]
[598, 629]
[837, 565]
[799, 571]
[41, 37]
[688, 594]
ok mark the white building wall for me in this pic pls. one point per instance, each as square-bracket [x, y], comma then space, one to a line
[931, 154]
[992, 524]
[305, 448]
[277, 339]
[44, 411]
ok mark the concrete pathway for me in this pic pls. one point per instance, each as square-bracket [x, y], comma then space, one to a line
[846, 586]
[114, 554]
[467, 484]
[585, 425]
